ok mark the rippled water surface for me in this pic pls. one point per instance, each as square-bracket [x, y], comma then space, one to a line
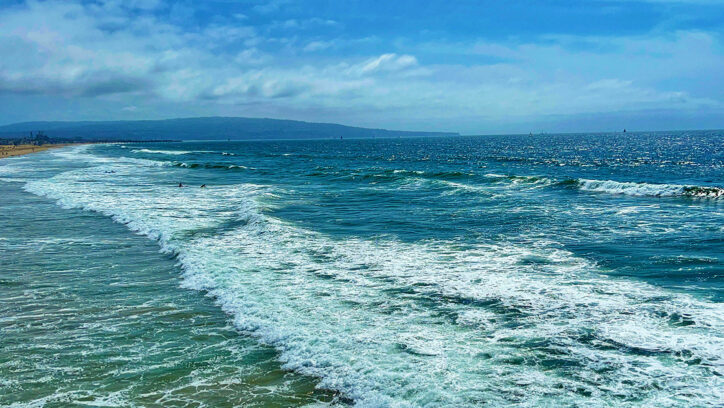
[571, 270]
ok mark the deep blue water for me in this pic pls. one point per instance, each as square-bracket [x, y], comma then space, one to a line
[582, 270]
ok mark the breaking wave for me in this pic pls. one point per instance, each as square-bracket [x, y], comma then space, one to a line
[169, 152]
[209, 166]
[391, 323]
[647, 189]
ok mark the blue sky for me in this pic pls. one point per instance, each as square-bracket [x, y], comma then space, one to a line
[467, 66]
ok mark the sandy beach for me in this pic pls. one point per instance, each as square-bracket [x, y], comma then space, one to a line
[11, 150]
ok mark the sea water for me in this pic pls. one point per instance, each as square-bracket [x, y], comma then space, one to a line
[549, 270]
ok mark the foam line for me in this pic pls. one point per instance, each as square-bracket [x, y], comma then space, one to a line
[399, 324]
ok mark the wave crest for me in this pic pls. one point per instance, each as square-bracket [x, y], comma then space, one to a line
[646, 189]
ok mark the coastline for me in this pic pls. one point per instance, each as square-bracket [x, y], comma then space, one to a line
[122, 286]
[111, 309]
[19, 150]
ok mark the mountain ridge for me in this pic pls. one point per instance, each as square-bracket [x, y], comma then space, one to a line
[204, 128]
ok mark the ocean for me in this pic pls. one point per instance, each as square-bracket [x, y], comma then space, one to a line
[576, 270]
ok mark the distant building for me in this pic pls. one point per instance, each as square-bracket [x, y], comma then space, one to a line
[37, 139]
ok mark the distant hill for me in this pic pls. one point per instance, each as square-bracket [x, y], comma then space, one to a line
[210, 128]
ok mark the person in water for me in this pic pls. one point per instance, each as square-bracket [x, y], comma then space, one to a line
[203, 186]
[180, 185]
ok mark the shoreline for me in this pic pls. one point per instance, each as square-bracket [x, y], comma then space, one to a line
[123, 279]
[20, 150]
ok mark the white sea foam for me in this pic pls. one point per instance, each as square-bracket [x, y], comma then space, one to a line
[83, 153]
[410, 324]
[617, 187]
[647, 189]
[169, 152]
[21, 168]
[80, 398]
[12, 169]
[67, 152]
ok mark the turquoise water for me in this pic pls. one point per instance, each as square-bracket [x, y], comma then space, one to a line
[573, 270]
[92, 316]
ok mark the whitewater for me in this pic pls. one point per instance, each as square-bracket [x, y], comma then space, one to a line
[429, 273]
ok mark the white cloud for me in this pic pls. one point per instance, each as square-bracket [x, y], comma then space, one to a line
[318, 46]
[385, 63]
[304, 24]
[104, 51]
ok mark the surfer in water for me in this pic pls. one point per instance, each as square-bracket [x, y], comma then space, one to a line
[203, 186]
[180, 185]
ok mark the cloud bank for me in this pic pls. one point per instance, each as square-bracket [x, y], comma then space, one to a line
[108, 56]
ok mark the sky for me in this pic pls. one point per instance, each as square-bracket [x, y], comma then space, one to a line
[474, 67]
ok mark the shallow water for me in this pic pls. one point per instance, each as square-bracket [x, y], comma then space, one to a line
[559, 269]
[92, 315]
